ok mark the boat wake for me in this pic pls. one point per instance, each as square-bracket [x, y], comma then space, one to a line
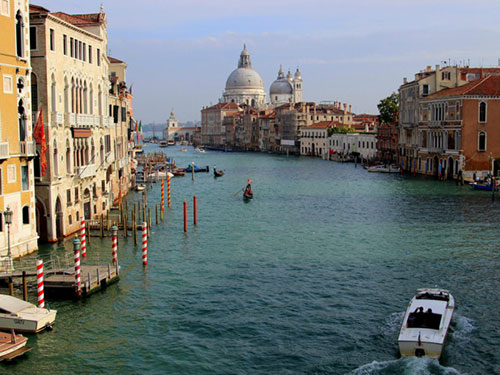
[392, 324]
[405, 366]
[461, 329]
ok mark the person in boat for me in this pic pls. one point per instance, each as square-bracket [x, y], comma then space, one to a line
[248, 189]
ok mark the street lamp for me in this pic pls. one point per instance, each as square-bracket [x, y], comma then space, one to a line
[8, 220]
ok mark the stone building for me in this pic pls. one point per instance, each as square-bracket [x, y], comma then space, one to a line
[458, 132]
[71, 85]
[212, 130]
[17, 148]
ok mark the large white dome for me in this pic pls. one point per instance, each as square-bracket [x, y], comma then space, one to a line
[281, 86]
[244, 78]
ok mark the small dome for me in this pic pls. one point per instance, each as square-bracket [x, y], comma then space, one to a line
[281, 86]
[246, 78]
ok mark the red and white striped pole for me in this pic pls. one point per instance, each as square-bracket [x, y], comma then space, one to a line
[39, 283]
[162, 196]
[185, 217]
[76, 249]
[83, 239]
[114, 251]
[144, 244]
[195, 219]
[168, 190]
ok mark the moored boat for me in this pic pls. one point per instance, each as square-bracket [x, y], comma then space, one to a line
[384, 169]
[24, 316]
[426, 322]
[12, 345]
[140, 187]
[199, 149]
[482, 186]
[163, 144]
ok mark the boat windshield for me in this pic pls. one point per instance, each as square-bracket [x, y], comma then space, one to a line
[420, 319]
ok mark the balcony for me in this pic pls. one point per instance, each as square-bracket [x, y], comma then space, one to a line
[4, 150]
[85, 171]
[57, 118]
[27, 148]
[72, 119]
[84, 121]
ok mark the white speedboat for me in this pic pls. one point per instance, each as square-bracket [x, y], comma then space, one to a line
[384, 169]
[199, 149]
[140, 187]
[24, 316]
[163, 144]
[426, 323]
[12, 345]
[184, 149]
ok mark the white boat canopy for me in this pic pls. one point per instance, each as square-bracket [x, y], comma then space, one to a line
[12, 305]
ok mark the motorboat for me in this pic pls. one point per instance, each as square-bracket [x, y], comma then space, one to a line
[24, 316]
[183, 149]
[199, 149]
[140, 187]
[163, 144]
[12, 345]
[384, 169]
[482, 186]
[426, 322]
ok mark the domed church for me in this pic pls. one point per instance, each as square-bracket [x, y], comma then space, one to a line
[244, 85]
[286, 89]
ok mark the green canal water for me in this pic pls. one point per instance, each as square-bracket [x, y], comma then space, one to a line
[311, 277]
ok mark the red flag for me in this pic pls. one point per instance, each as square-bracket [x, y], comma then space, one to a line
[39, 135]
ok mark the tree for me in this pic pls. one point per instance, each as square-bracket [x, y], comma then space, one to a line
[388, 109]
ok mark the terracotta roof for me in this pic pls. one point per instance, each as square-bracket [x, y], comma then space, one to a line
[114, 61]
[80, 19]
[323, 125]
[38, 9]
[489, 85]
[230, 105]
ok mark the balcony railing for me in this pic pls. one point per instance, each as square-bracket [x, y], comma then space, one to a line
[88, 170]
[27, 148]
[4, 150]
[72, 119]
[57, 118]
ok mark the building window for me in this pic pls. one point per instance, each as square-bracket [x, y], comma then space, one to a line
[425, 90]
[33, 38]
[51, 41]
[7, 84]
[19, 34]
[71, 47]
[68, 197]
[25, 183]
[70, 219]
[84, 52]
[481, 141]
[65, 47]
[98, 53]
[76, 195]
[77, 216]
[26, 215]
[90, 54]
[482, 112]
[5, 8]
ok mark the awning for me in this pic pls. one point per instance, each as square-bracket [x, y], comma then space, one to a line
[81, 133]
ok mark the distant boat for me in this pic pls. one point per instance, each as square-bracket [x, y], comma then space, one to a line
[218, 173]
[482, 186]
[171, 142]
[426, 322]
[247, 196]
[196, 169]
[199, 149]
[183, 149]
[163, 144]
[384, 169]
[140, 187]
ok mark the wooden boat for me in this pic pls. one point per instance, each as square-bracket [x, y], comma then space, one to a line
[384, 169]
[24, 316]
[199, 149]
[12, 345]
[426, 322]
[163, 144]
[218, 173]
[247, 195]
[140, 187]
[178, 173]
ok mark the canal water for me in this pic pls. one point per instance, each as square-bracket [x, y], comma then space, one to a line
[311, 277]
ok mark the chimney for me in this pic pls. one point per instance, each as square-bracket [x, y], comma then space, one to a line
[429, 68]
[345, 108]
[350, 106]
[438, 78]
[405, 80]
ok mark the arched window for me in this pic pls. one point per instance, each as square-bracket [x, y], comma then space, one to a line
[53, 94]
[481, 144]
[68, 158]
[19, 34]
[26, 215]
[99, 101]
[55, 159]
[85, 92]
[91, 100]
[22, 121]
[73, 93]
[482, 112]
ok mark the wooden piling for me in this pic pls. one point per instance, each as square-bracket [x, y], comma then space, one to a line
[134, 225]
[149, 221]
[156, 214]
[185, 217]
[125, 228]
[102, 225]
[25, 287]
[11, 287]
[195, 221]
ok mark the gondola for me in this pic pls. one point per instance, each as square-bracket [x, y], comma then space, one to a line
[218, 173]
[247, 196]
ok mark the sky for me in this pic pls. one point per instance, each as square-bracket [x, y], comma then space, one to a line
[180, 53]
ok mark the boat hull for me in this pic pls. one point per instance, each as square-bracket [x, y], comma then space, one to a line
[20, 324]
[413, 349]
[6, 345]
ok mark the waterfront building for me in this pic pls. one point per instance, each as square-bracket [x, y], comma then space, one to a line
[314, 138]
[120, 109]
[387, 142]
[347, 145]
[71, 85]
[458, 132]
[212, 130]
[427, 82]
[17, 147]
[267, 127]
[175, 133]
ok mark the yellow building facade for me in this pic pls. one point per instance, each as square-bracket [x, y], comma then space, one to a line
[17, 148]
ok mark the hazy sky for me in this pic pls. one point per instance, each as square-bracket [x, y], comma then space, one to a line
[180, 53]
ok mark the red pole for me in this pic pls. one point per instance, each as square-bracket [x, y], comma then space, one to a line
[39, 283]
[185, 217]
[144, 244]
[194, 210]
